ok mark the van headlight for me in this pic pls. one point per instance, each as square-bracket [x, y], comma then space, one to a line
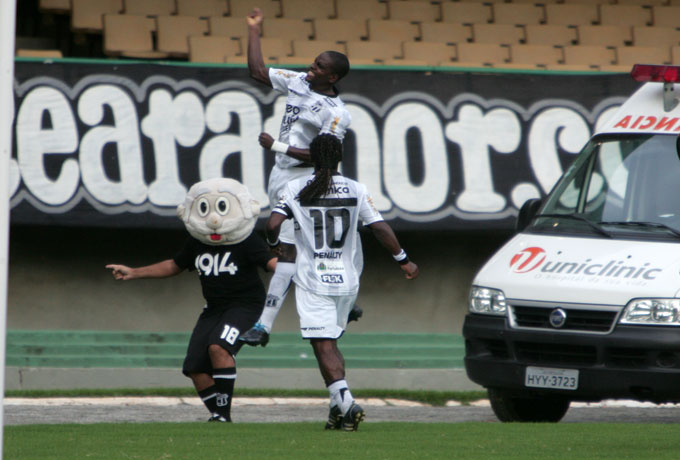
[487, 301]
[652, 312]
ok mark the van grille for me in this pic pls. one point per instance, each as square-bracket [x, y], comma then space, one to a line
[590, 320]
[545, 353]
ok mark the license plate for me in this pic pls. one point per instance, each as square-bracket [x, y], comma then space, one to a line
[547, 377]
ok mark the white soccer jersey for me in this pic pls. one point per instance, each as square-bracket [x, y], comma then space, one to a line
[308, 113]
[326, 234]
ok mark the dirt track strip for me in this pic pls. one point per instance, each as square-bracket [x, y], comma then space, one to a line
[22, 411]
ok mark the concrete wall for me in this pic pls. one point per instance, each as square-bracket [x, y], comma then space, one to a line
[57, 280]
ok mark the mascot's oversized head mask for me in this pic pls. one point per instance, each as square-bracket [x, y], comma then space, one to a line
[219, 211]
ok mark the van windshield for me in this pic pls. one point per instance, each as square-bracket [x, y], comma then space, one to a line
[618, 187]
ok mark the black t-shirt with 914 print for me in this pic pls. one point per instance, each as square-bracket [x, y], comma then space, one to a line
[228, 273]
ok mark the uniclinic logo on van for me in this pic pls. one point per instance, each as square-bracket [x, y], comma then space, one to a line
[535, 258]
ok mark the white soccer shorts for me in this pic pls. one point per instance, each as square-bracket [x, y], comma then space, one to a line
[322, 316]
[278, 178]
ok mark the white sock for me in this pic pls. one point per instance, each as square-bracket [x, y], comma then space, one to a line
[278, 288]
[340, 395]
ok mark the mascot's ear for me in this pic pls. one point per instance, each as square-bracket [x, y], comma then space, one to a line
[180, 211]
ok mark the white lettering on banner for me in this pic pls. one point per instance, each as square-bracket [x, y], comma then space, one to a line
[124, 134]
[432, 193]
[101, 144]
[475, 132]
[220, 112]
[34, 142]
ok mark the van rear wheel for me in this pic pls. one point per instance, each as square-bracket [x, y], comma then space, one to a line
[527, 408]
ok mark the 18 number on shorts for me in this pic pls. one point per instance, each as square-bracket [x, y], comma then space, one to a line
[230, 334]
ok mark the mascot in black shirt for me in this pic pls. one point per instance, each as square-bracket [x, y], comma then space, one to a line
[220, 215]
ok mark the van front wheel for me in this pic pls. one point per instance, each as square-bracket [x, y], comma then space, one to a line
[528, 408]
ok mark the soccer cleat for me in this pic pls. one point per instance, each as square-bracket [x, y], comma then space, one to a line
[255, 336]
[219, 418]
[355, 313]
[334, 419]
[355, 414]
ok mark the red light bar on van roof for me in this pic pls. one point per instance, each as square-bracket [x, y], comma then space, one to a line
[656, 73]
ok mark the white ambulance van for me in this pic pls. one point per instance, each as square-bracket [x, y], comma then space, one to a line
[583, 303]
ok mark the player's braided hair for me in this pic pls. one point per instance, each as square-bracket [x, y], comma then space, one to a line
[326, 152]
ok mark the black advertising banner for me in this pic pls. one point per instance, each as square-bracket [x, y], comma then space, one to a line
[118, 144]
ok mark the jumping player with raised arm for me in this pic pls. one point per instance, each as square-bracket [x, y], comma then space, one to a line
[312, 107]
[327, 208]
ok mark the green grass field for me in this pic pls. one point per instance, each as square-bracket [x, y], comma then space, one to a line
[300, 441]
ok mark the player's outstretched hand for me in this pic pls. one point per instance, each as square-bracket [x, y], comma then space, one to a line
[120, 272]
[410, 270]
[265, 140]
[255, 17]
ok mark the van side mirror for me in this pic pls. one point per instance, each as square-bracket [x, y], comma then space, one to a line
[677, 146]
[527, 212]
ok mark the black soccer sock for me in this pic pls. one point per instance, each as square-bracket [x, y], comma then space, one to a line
[209, 398]
[224, 381]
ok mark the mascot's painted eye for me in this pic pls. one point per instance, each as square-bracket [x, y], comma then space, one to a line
[222, 205]
[203, 207]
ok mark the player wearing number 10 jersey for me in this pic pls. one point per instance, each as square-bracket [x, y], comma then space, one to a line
[327, 208]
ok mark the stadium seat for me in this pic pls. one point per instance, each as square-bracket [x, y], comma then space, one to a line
[497, 33]
[242, 8]
[572, 14]
[675, 55]
[642, 2]
[655, 35]
[55, 6]
[392, 30]
[275, 48]
[466, 13]
[666, 16]
[549, 34]
[629, 55]
[432, 53]
[353, 9]
[517, 13]
[213, 48]
[376, 51]
[310, 49]
[38, 53]
[589, 55]
[87, 15]
[201, 8]
[306, 9]
[481, 54]
[150, 7]
[445, 32]
[625, 15]
[607, 35]
[225, 26]
[173, 33]
[413, 10]
[340, 29]
[289, 29]
[408, 62]
[536, 55]
[130, 36]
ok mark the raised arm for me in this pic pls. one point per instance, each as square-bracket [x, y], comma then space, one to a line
[162, 269]
[385, 235]
[256, 66]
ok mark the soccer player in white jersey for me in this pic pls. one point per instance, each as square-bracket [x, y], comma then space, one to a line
[312, 107]
[327, 208]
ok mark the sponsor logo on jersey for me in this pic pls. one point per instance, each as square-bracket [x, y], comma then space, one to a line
[337, 189]
[332, 279]
[328, 255]
[535, 258]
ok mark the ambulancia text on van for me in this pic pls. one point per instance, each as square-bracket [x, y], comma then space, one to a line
[583, 303]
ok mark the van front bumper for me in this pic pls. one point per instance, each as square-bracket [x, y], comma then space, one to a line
[631, 362]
